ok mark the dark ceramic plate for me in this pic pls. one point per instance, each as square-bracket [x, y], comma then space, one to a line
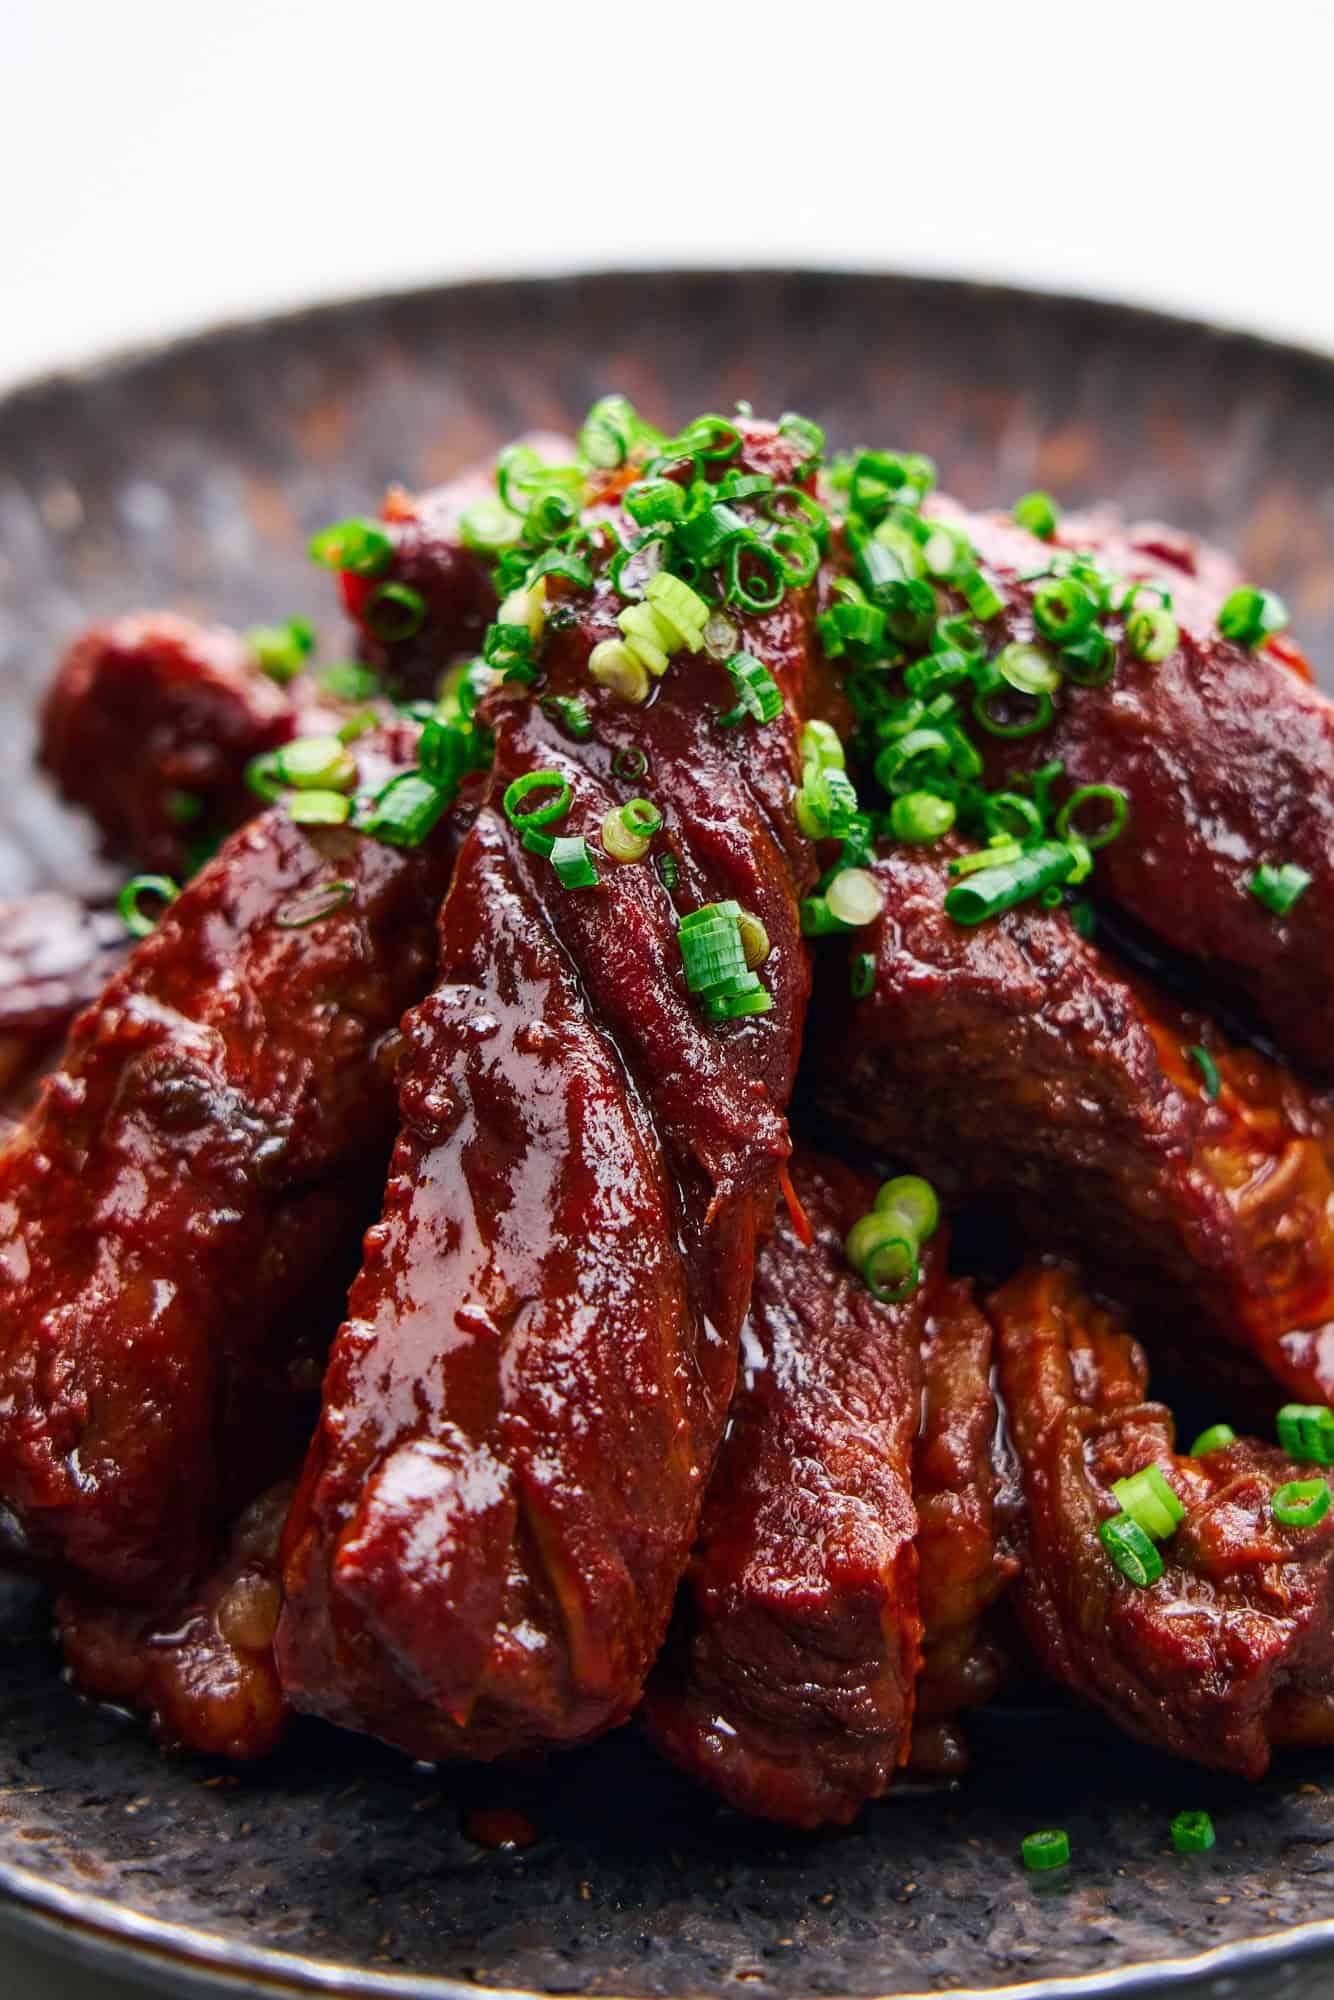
[192, 477]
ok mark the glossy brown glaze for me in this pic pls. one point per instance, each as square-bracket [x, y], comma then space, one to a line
[787, 1683]
[525, 1403]
[1018, 1062]
[1226, 757]
[200, 1666]
[149, 725]
[1229, 1652]
[175, 1211]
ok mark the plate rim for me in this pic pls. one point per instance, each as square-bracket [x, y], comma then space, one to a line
[82, 1926]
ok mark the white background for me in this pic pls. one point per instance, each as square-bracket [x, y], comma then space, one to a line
[164, 164]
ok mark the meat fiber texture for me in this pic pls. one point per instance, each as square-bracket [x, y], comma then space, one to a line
[525, 1402]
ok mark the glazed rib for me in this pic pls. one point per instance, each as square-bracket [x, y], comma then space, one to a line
[525, 1402]
[788, 1680]
[55, 956]
[1226, 757]
[1228, 1653]
[1017, 1062]
[173, 1209]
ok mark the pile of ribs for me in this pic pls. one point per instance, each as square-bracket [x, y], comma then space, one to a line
[418, 1312]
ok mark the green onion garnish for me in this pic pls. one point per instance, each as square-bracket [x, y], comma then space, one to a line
[713, 955]
[1090, 660]
[649, 501]
[572, 862]
[406, 810]
[1193, 1833]
[1027, 668]
[359, 546]
[1038, 513]
[1306, 1432]
[1152, 635]
[756, 691]
[489, 527]
[1150, 1502]
[547, 814]
[1131, 1550]
[861, 979]
[316, 764]
[348, 680]
[571, 713]
[396, 611]
[921, 816]
[628, 830]
[1063, 608]
[138, 886]
[282, 650]
[1279, 886]
[1301, 1503]
[313, 904]
[1029, 724]
[629, 763]
[1217, 1438]
[1048, 1849]
[885, 1245]
[1197, 1053]
[1249, 616]
[1118, 812]
[317, 808]
[995, 889]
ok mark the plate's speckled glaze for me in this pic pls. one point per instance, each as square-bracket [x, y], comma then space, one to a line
[192, 476]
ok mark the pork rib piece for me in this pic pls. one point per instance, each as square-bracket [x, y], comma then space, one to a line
[1016, 1061]
[1228, 1654]
[788, 1680]
[55, 956]
[524, 1405]
[171, 1210]
[1226, 757]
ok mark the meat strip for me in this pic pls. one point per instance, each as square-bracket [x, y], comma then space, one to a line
[524, 1405]
[1017, 1062]
[171, 1211]
[1226, 757]
[788, 1681]
[1228, 1654]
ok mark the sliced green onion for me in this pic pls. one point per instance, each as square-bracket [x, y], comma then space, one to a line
[348, 680]
[628, 830]
[669, 872]
[312, 904]
[914, 1199]
[861, 978]
[629, 763]
[1279, 886]
[1217, 1438]
[1153, 635]
[138, 886]
[1131, 1550]
[319, 808]
[682, 608]
[649, 501]
[754, 939]
[712, 953]
[855, 898]
[1192, 1833]
[1028, 669]
[572, 862]
[315, 764]
[406, 810]
[1063, 608]
[1084, 918]
[358, 545]
[1301, 1503]
[488, 526]
[978, 594]
[396, 611]
[808, 436]
[614, 667]
[706, 534]
[921, 816]
[993, 890]
[547, 814]
[1090, 660]
[282, 650]
[756, 577]
[610, 432]
[820, 745]
[1037, 719]
[1150, 1502]
[1038, 513]
[756, 690]
[1249, 616]
[1118, 812]
[748, 998]
[1046, 1850]
[1306, 1431]
[1197, 1053]
[571, 713]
